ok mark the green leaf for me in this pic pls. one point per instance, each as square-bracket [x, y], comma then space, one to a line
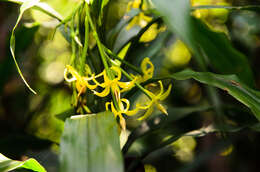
[98, 9]
[246, 7]
[7, 164]
[114, 32]
[230, 83]
[25, 5]
[203, 42]
[45, 8]
[157, 122]
[91, 143]
[103, 4]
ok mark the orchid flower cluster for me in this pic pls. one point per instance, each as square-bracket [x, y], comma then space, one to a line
[116, 87]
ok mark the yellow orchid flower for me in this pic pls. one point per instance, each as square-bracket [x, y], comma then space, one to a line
[155, 101]
[141, 20]
[147, 69]
[81, 82]
[124, 106]
[136, 4]
[114, 84]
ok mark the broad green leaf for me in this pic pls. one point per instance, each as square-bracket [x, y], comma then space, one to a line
[230, 83]
[91, 143]
[7, 164]
[203, 42]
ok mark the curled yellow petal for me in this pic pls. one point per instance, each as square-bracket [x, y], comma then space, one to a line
[117, 73]
[155, 101]
[70, 70]
[104, 93]
[147, 68]
[127, 104]
[166, 93]
[147, 113]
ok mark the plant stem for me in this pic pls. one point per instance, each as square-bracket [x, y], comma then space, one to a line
[100, 47]
[73, 45]
[85, 48]
[69, 17]
[137, 84]
[102, 53]
[123, 61]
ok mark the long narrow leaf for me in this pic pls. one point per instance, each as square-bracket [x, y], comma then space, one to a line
[45, 8]
[230, 83]
[246, 7]
[7, 164]
[203, 42]
[25, 5]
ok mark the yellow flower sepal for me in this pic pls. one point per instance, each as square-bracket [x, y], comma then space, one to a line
[124, 106]
[81, 82]
[114, 84]
[155, 101]
[147, 68]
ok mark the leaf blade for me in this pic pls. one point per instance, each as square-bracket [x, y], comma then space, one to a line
[25, 6]
[230, 83]
[203, 42]
[7, 164]
[91, 143]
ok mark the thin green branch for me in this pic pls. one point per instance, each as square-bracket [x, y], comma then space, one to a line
[123, 61]
[102, 53]
[137, 84]
[85, 46]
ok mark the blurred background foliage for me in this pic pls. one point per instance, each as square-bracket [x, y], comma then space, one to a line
[31, 125]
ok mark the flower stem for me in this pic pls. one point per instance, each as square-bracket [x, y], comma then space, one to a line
[102, 53]
[99, 44]
[123, 61]
[137, 84]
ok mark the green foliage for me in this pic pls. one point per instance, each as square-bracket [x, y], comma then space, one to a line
[91, 143]
[209, 47]
[7, 164]
[229, 83]
[112, 67]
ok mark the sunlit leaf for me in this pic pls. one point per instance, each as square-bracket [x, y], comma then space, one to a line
[204, 43]
[25, 5]
[246, 7]
[91, 143]
[7, 164]
[45, 8]
[230, 83]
